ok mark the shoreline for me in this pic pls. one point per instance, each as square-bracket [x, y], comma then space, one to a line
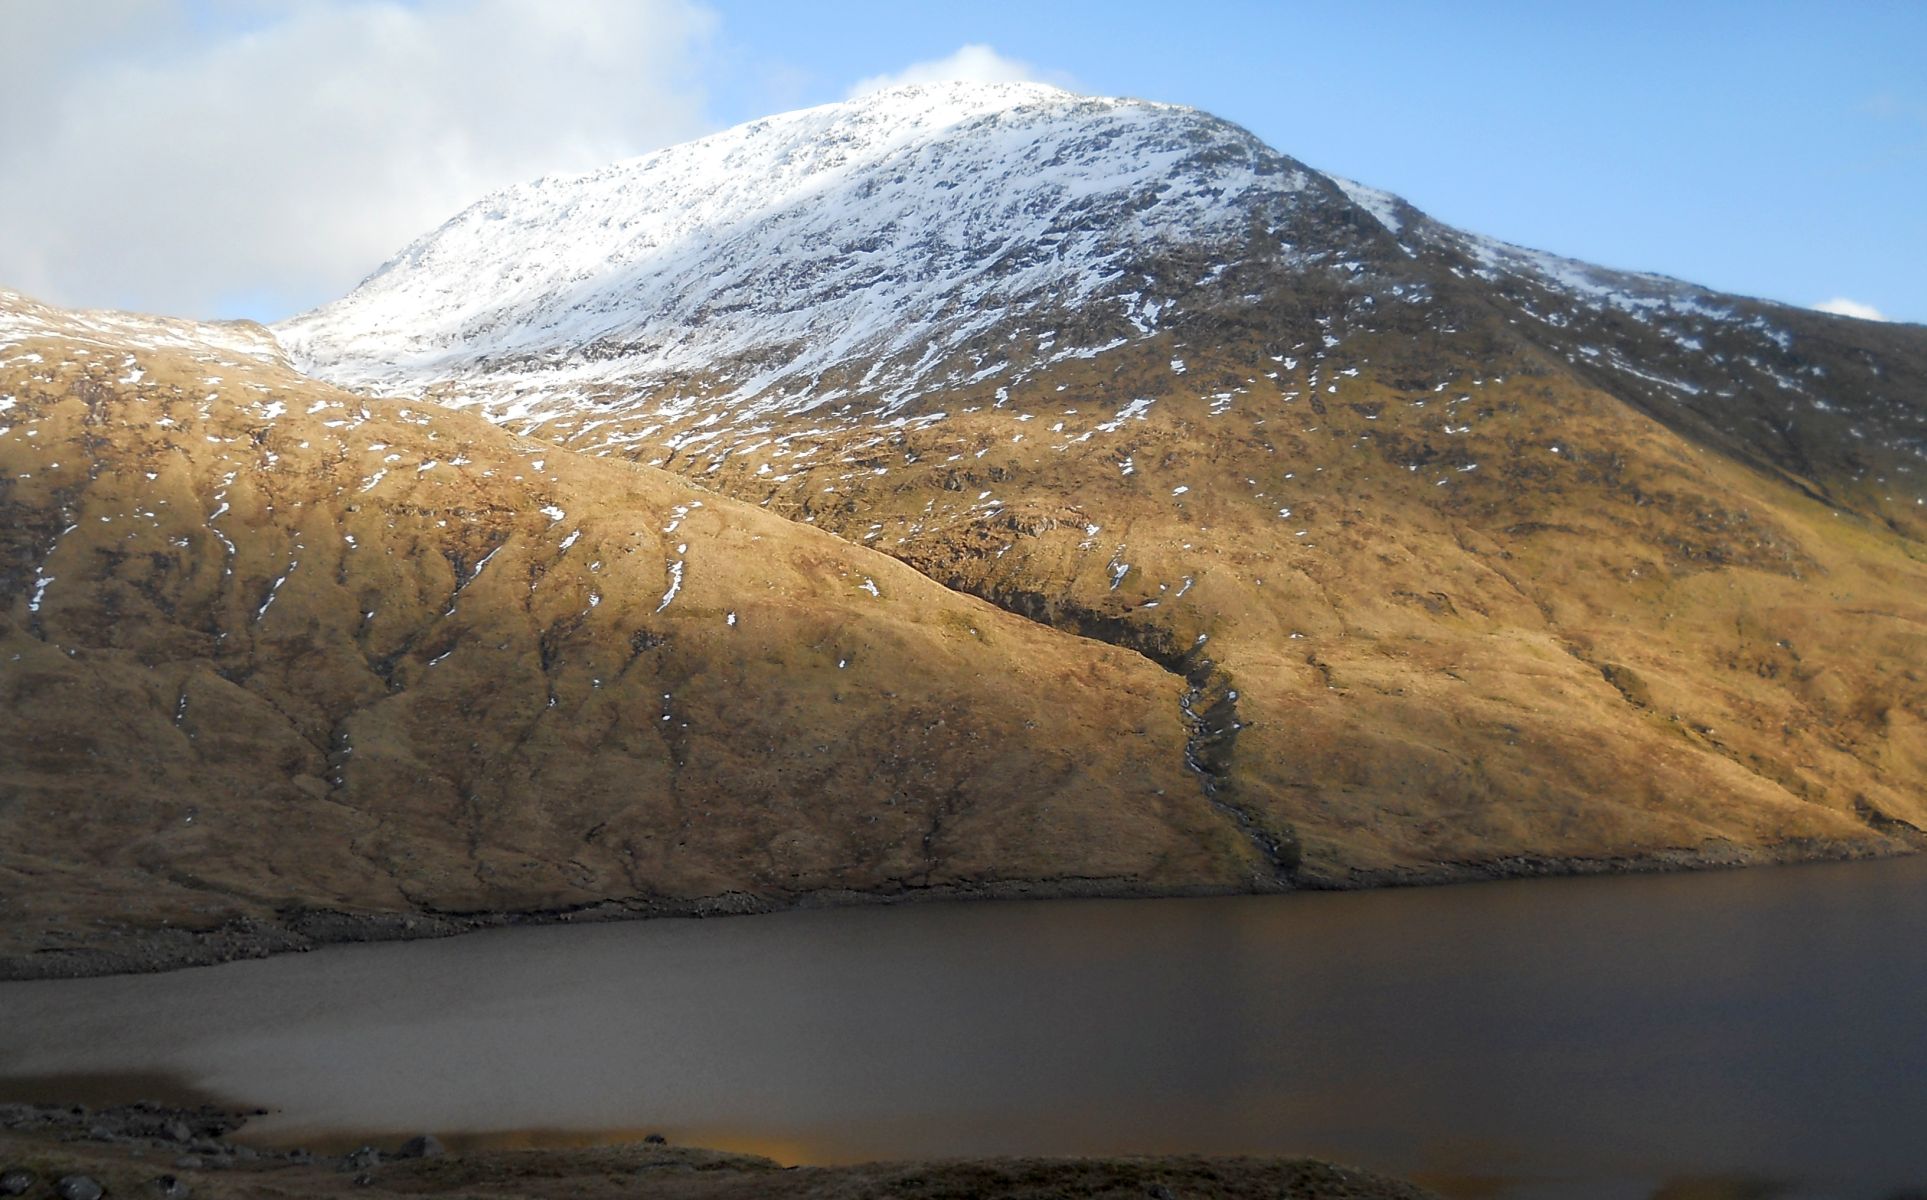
[151, 1149]
[136, 950]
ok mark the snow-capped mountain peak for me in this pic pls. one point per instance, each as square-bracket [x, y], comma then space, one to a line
[759, 264]
[894, 256]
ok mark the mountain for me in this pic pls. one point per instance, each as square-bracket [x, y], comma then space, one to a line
[1475, 559]
[1190, 519]
[880, 251]
[284, 663]
[896, 256]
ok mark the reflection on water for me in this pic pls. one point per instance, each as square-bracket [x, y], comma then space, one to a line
[99, 1089]
[1741, 1035]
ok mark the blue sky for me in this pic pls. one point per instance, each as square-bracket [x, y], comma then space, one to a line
[257, 157]
[1773, 149]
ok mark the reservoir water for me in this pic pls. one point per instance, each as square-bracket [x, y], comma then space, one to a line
[1750, 1033]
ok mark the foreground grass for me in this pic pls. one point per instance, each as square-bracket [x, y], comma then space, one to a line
[652, 1171]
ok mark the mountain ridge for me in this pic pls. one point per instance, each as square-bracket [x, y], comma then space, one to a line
[804, 172]
[1326, 547]
[643, 366]
[1468, 402]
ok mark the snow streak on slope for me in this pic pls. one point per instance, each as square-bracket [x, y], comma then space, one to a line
[758, 265]
[1383, 206]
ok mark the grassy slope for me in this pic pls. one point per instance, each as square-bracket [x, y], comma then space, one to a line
[396, 727]
[1511, 623]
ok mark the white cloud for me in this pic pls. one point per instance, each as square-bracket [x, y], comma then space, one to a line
[291, 149]
[974, 63]
[1840, 306]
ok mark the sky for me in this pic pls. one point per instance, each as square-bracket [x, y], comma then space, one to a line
[223, 158]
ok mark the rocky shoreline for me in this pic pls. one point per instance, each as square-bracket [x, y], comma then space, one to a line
[144, 950]
[151, 1150]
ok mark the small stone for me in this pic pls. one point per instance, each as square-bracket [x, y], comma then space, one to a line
[364, 1180]
[101, 1133]
[17, 1181]
[179, 1132]
[425, 1146]
[655, 1139]
[188, 1162]
[246, 1153]
[362, 1159]
[1158, 1191]
[78, 1187]
[167, 1187]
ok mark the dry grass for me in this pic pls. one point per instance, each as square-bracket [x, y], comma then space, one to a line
[1600, 644]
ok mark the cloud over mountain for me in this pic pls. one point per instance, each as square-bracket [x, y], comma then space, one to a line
[268, 156]
[972, 63]
[1840, 306]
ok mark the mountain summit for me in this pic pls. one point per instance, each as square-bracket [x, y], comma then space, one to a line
[863, 248]
[883, 257]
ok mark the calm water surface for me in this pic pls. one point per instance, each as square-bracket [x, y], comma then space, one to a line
[1749, 1033]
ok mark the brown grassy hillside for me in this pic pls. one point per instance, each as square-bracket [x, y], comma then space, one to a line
[268, 649]
[1480, 611]
[1280, 599]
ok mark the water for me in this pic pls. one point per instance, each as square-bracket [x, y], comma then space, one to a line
[1735, 1034]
